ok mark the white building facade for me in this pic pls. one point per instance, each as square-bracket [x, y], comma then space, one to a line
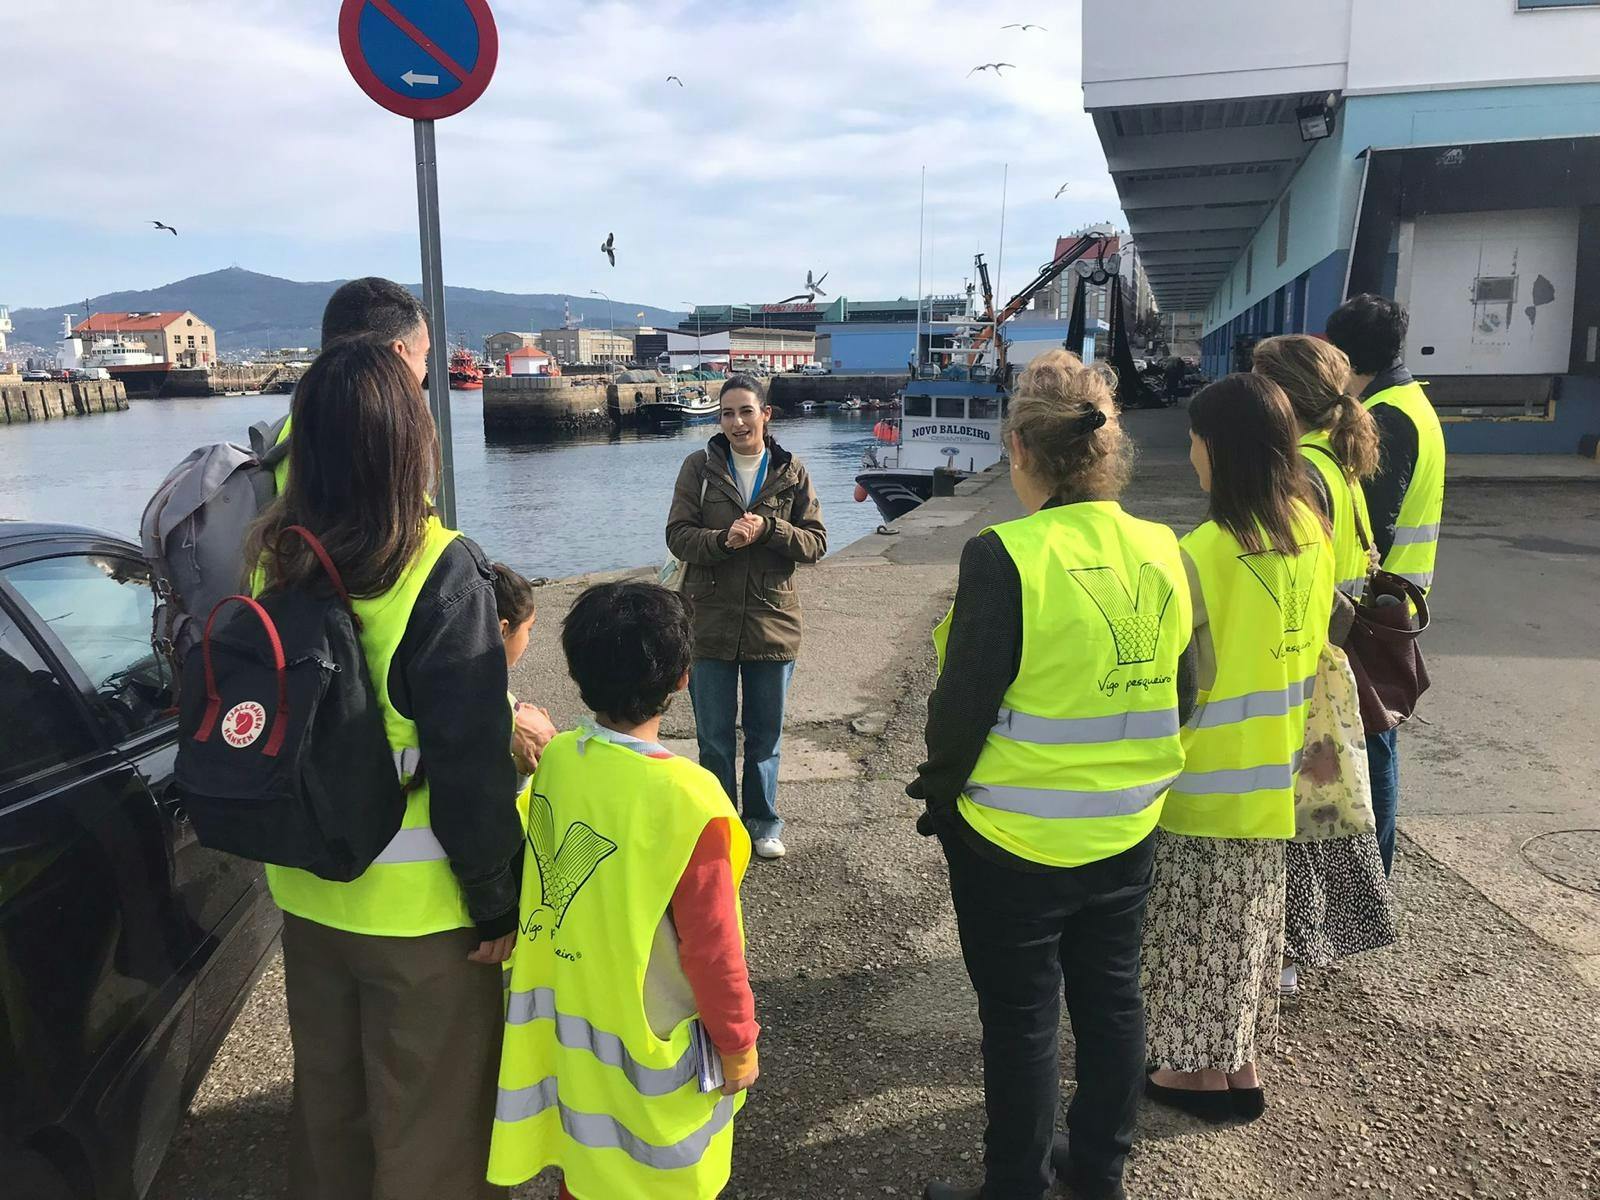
[1274, 157]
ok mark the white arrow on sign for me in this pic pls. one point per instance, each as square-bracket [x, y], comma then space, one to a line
[412, 78]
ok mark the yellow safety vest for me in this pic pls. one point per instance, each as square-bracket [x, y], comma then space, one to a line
[1267, 614]
[280, 472]
[1086, 743]
[1416, 532]
[585, 1083]
[1352, 527]
[409, 890]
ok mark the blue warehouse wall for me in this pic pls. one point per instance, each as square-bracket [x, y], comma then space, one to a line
[872, 348]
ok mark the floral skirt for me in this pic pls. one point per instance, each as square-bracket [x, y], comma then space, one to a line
[1338, 900]
[1213, 950]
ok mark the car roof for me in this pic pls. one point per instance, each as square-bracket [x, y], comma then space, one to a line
[16, 534]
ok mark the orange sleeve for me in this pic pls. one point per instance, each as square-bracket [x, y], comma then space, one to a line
[710, 946]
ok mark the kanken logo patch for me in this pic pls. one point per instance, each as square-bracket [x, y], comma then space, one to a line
[243, 724]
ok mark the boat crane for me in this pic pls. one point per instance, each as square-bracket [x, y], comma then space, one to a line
[1047, 275]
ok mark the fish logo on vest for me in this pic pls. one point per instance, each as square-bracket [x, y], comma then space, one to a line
[563, 869]
[1287, 580]
[1135, 620]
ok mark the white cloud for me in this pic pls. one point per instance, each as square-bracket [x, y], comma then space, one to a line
[796, 142]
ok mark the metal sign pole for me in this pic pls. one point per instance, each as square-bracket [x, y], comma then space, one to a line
[433, 301]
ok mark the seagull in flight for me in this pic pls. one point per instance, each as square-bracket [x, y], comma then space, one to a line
[1059, 190]
[814, 286]
[995, 67]
[168, 228]
[1025, 28]
[609, 248]
[808, 297]
[674, 79]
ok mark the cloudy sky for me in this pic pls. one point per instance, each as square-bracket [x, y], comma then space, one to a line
[795, 143]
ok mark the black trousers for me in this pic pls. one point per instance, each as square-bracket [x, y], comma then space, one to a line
[1026, 938]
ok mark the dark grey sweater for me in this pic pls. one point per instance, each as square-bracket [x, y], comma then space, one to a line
[449, 676]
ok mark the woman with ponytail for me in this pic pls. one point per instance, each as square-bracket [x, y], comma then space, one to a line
[1338, 893]
[1052, 738]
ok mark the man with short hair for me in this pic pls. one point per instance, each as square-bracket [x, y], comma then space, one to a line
[1405, 497]
[375, 307]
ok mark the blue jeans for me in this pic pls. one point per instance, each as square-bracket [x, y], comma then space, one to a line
[1383, 761]
[714, 692]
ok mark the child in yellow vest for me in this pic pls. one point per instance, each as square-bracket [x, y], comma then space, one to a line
[531, 728]
[630, 1025]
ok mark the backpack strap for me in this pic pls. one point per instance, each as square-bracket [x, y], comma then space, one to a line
[326, 560]
[208, 721]
[265, 441]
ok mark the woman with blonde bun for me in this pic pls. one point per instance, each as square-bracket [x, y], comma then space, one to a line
[1052, 740]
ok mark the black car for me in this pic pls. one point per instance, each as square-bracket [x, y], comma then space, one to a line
[126, 947]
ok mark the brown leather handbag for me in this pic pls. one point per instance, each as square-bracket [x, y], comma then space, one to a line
[1383, 649]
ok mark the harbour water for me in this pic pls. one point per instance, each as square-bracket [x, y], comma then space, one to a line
[546, 508]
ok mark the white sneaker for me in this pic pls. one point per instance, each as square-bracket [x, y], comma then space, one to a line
[1289, 984]
[768, 847]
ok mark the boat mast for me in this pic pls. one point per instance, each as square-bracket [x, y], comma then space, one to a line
[922, 208]
[1000, 261]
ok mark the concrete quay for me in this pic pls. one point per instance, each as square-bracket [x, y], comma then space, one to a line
[20, 402]
[1462, 1062]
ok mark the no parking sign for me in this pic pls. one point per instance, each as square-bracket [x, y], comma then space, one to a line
[425, 59]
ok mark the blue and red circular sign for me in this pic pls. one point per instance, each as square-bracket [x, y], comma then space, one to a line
[422, 59]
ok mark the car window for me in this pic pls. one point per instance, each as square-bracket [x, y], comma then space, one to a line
[43, 727]
[100, 606]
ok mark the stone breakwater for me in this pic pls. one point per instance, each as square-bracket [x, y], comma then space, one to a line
[21, 402]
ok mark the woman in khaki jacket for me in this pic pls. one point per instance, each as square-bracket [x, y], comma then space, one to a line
[743, 514]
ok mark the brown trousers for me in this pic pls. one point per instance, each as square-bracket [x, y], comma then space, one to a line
[396, 1057]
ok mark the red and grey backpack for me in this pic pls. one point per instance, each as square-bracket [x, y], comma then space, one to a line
[282, 754]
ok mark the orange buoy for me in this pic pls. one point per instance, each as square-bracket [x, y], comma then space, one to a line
[861, 493]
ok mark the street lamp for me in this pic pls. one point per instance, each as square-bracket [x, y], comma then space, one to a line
[698, 361]
[611, 330]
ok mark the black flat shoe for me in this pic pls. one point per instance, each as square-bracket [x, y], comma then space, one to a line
[950, 1191]
[1216, 1107]
[1248, 1103]
[1078, 1185]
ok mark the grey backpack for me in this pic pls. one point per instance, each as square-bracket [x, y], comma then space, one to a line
[194, 528]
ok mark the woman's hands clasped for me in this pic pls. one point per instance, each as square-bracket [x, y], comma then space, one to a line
[745, 531]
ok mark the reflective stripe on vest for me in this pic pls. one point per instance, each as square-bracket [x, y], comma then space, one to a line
[584, 1072]
[410, 889]
[599, 1131]
[1266, 617]
[1087, 741]
[1415, 548]
[573, 1032]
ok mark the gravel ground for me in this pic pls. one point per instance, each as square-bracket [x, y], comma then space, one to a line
[1463, 1062]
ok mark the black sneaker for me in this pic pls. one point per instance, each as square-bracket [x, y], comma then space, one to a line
[950, 1191]
[1079, 1185]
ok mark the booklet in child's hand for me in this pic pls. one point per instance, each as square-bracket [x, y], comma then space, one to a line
[707, 1059]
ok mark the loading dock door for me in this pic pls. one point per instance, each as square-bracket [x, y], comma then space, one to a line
[1491, 292]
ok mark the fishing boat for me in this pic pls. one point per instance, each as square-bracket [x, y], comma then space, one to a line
[465, 376]
[950, 421]
[679, 406]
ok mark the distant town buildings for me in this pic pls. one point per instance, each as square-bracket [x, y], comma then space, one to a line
[179, 339]
[738, 349]
[584, 346]
[497, 345]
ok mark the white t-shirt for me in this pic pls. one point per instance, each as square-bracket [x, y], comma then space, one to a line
[746, 467]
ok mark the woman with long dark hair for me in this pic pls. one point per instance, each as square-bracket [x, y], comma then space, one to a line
[393, 989]
[1261, 573]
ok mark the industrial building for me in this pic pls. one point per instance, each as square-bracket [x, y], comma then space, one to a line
[738, 349]
[1444, 152]
[719, 318]
[180, 339]
[497, 345]
[581, 345]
